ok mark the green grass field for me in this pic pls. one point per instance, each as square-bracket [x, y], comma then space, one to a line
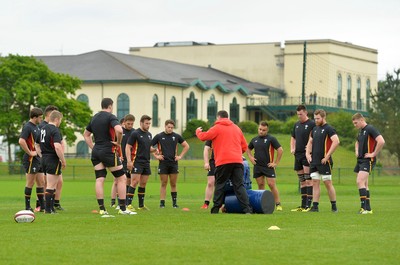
[173, 236]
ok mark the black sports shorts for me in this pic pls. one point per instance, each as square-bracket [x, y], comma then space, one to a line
[107, 157]
[168, 167]
[364, 164]
[260, 171]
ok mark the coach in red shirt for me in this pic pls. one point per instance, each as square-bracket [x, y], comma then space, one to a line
[229, 144]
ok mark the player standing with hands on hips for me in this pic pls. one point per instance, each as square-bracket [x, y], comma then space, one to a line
[137, 151]
[368, 145]
[167, 145]
[320, 147]
[31, 162]
[264, 162]
[53, 159]
[229, 144]
[105, 128]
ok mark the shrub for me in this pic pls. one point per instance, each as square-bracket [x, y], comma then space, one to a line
[191, 127]
[248, 127]
[275, 126]
[288, 125]
[343, 124]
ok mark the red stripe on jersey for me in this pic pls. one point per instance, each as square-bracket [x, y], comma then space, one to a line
[112, 135]
[327, 145]
[134, 150]
[271, 153]
[31, 142]
[371, 145]
[159, 148]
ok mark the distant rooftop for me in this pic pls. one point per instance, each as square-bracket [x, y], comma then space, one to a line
[181, 43]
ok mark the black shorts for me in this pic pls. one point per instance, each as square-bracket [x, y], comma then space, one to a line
[322, 169]
[211, 172]
[141, 168]
[260, 171]
[107, 157]
[168, 167]
[364, 164]
[32, 165]
[300, 161]
[51, 165]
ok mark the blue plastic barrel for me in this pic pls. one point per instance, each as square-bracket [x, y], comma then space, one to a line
[262, 201]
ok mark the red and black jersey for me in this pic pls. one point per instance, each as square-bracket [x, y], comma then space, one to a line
[30, 133]
[141, 143]
[301, 132]
[322, 142]
[49, 135]
[366, 140]
[102, 128]
[167, 144]
[264, 149]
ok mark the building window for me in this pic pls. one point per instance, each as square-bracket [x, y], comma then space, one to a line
[173, 109]
[83, 98]
[122, 105]
[155, 111]
[191, 107]
[358, 93]
[234, 111]
[82, 149]
[339, 90]
[349, 92]
[368, 94]
[212, 107]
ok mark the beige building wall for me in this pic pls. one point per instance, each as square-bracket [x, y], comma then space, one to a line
[326, 59]
[258, 62]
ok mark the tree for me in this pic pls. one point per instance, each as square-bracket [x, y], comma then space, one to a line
[385, 114]
[25, 83]
[342, 122]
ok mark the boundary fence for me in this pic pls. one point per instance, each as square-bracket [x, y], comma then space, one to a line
[380, 175]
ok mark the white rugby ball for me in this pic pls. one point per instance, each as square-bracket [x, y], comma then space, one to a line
[24, 216]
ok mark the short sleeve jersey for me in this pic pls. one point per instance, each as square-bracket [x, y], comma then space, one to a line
[102, 127]
[301, 132]
[167, 144]
[322, 142]
[366, 140]
[209, 144]
[125, 136]
[141, 143]
[264, 149]
[42, 124]
[30, 133]
[49, 135]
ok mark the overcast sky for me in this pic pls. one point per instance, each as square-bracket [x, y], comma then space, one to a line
[54, 27]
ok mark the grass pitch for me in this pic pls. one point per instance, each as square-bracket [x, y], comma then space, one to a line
[173, 236]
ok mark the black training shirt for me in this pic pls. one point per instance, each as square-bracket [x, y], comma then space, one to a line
[167, 144]
[264, 149]
[141, 143]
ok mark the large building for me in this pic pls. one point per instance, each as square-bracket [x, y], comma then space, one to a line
[336, 75]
